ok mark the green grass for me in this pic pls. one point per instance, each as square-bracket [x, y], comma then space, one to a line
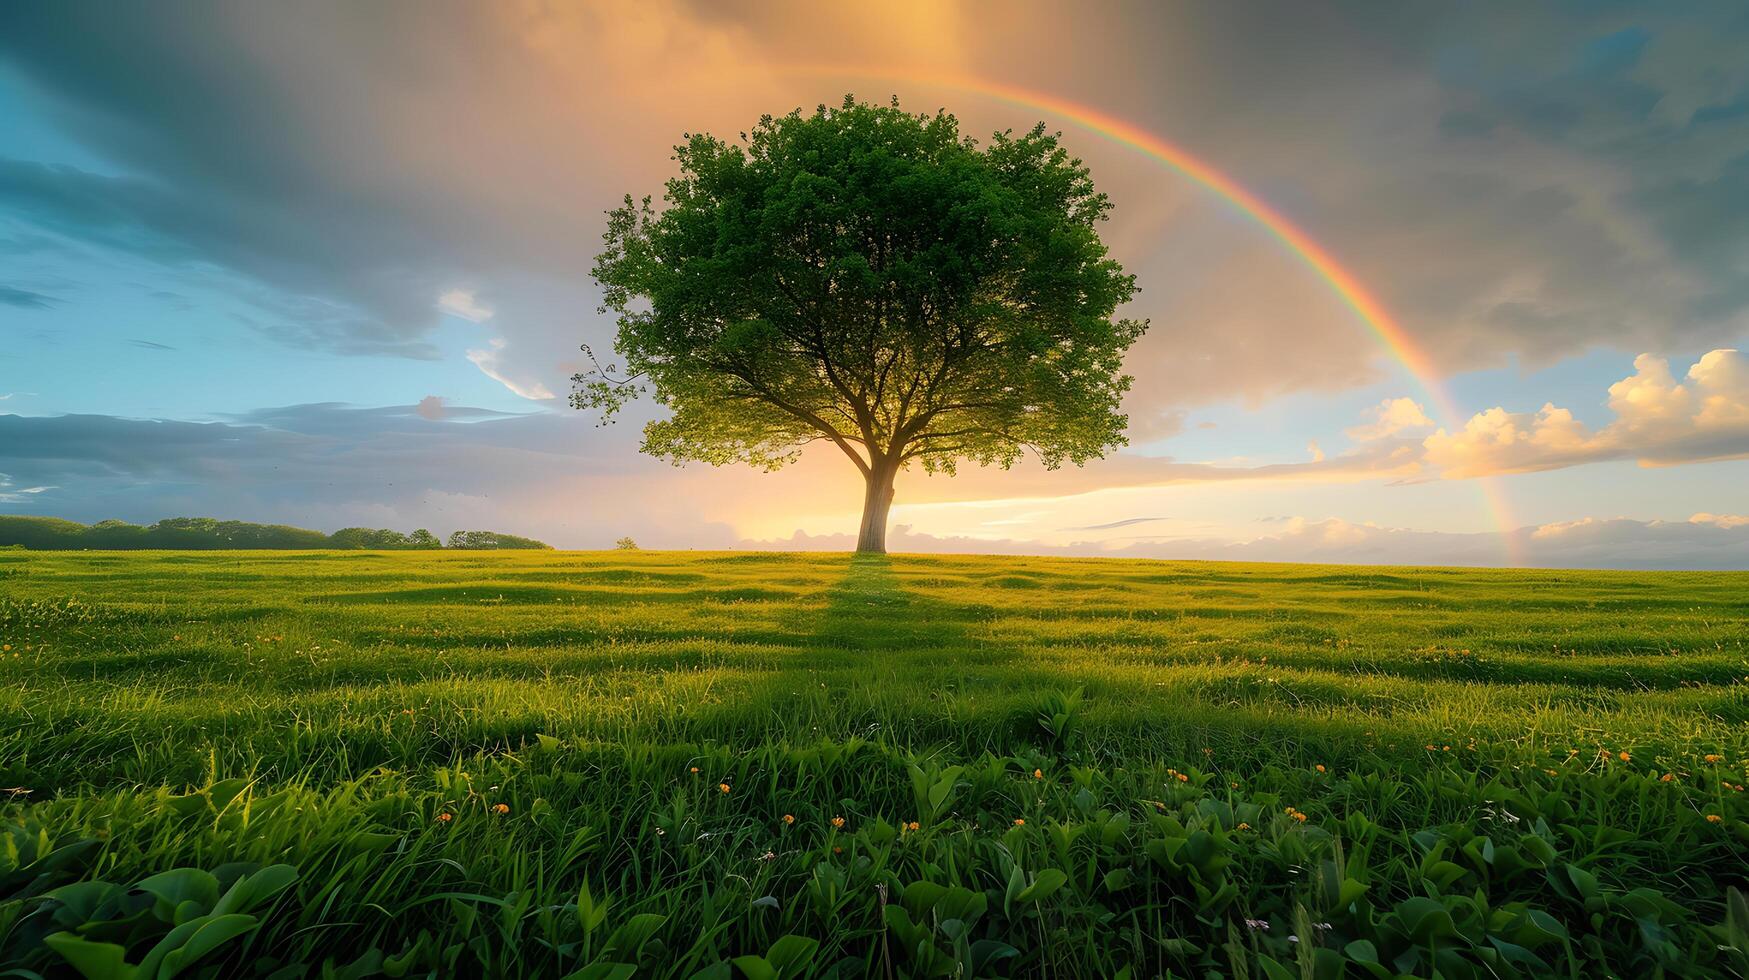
[359, 716]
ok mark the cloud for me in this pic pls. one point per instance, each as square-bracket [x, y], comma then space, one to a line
[1529, 180]
[560, 479]
[1127, 522]
[343, 212]
[490, 362]
[430, 407]
[555, 477]
[306, 289]
[1659, 421]
[1584, 543]
[11, 493]
[461, 302]
[1389, 417]
[24, 299]
[150, 344]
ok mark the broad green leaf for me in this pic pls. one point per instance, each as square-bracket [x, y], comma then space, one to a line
[95, 961]
[255, 889]
[182, 885]
[213, 933]
[630, 937]
[1043, 886]
[755, 968]
[790, 955]
[605, 971]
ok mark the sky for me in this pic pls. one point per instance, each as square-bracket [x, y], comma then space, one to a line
[327, 264]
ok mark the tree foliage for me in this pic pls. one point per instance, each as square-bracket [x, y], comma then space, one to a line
[872, 279]
[493, 541]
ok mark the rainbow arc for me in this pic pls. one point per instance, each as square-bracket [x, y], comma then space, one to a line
[1396, 341]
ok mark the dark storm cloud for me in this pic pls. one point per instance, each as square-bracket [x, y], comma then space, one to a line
[225, 162]
[1511, 178]
[323, 293]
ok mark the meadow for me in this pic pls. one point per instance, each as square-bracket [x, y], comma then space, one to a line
[602, 765]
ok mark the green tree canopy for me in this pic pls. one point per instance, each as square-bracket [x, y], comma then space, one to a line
[869, 278]
[493, 541]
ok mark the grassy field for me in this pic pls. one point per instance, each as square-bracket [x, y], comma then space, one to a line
[546, 764]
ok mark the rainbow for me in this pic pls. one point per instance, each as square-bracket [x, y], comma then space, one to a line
[1397, 342]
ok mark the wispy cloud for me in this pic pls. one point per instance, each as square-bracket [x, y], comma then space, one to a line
[24, 299]
[150, 344]
[490, 361]
[13, 494]
[1127, 522]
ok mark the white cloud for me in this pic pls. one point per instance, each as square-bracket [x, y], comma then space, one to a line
[1659, 422]
[490, 361]
[1389, 417]
[461, 302]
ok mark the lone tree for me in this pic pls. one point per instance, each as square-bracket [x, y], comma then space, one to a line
[869, 278]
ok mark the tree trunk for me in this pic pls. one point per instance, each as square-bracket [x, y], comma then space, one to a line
[876, 502]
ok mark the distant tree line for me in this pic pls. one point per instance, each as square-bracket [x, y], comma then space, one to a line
[207, 534]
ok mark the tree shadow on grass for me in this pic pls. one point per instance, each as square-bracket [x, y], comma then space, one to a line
[870, 610]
